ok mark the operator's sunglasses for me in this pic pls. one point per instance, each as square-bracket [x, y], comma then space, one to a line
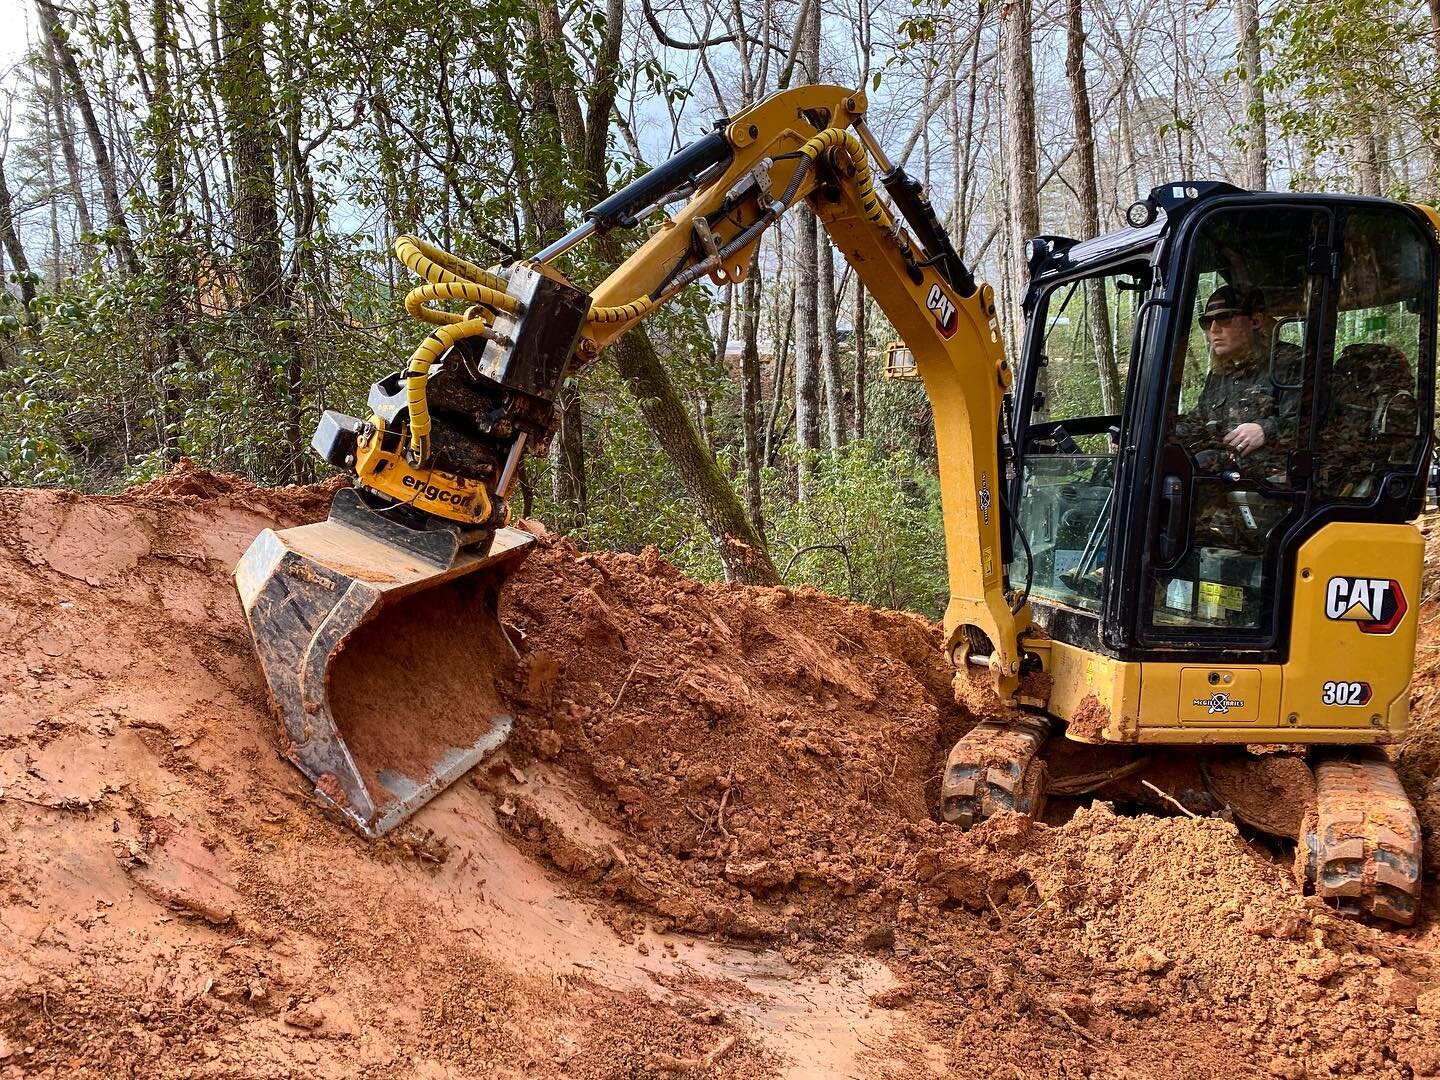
[1222, 319]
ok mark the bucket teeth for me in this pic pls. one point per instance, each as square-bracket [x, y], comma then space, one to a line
[1361, 844]
[995, 767]
[306, 592]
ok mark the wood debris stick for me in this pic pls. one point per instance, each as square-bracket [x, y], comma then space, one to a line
[672, 1064]
[1070, 1022]
[724, 801]
[621, 692]
[995, 910]
[1171, 800]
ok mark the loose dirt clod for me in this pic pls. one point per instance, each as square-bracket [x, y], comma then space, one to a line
[710, 849]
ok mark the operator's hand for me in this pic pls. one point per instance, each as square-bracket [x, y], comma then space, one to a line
[1245, 438]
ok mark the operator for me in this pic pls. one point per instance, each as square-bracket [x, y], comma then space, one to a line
[1239, 404]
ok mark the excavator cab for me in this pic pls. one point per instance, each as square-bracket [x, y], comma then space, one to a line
[1220, 436]
[1199, 400]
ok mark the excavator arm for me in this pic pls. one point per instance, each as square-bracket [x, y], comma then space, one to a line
[812, 144]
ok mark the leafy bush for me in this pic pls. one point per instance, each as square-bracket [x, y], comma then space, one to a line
[870, 528]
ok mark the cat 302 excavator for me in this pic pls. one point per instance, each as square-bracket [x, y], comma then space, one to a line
[1218, 553]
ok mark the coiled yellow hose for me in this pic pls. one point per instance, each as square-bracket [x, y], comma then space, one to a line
[448, 277]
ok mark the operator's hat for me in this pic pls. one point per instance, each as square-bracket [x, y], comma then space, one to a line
[1230, 300]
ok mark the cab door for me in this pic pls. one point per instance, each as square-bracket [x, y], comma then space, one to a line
[1066, 433]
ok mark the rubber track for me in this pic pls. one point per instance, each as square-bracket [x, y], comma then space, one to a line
[1362, 845]
[995, 767]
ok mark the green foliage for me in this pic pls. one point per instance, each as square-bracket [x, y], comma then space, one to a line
[100, 402]
[1342, 69]
[870, 528]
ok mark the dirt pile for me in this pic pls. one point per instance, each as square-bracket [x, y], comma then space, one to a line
[708, 850]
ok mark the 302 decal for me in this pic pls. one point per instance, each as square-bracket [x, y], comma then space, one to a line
[1345, 693]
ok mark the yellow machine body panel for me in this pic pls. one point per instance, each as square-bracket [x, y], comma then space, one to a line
[1356, 592]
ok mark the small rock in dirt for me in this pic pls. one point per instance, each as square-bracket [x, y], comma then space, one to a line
[7, 1049]
[1283, 925]
[305, 1017]
[1149, 960]
[1285, 1068]
[1428, 1003]
[760, 873]
[1318, 968]
[897, 997]
[548, 744]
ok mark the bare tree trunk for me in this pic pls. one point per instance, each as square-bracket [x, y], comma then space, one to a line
[66, 137]
[1367, 157]
[164, 134]
[750, 395]
[10, 238]
[1020, 150]
[807, 345]
[59, 42]
[568, 486]
[1096, 303]
[245, 91]
[860, 358]
[807, 283]
[1247, 32]
[777, 388]
[1432, 135]
[582, 139]
[829, 315]
[722, 337]
[57, 273]
[740, 546]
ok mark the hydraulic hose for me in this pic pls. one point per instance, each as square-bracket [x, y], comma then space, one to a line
[448, 277]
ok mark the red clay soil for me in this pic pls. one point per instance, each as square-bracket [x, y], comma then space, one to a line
[709, 850]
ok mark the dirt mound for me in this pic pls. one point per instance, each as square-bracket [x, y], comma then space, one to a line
[709, 849]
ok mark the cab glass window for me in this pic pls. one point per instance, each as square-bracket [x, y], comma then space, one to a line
[1068, 439]
[1234, 417]
[1371, 418]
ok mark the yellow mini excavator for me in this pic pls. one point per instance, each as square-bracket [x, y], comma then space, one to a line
[1216, 551]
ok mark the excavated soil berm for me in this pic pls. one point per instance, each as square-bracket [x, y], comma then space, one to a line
[708, 850]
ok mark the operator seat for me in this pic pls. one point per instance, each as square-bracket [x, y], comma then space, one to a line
[1372, 418]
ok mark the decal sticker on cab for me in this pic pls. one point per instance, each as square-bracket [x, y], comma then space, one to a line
[1376, 605]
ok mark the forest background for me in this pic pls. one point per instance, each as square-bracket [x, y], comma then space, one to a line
[198, 197]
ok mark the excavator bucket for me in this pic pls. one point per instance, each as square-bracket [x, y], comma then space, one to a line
[384, 655]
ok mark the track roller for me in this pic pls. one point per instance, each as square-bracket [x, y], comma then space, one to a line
[1360, 847]
[995, 767]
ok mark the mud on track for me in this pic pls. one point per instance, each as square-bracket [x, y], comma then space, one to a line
[708, 850]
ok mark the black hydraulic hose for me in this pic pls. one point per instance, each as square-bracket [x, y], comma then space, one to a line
[1024, 596]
